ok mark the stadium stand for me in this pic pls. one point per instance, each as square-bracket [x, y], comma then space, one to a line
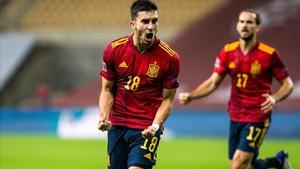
[92, 14]
[199, 29]
[71, 34]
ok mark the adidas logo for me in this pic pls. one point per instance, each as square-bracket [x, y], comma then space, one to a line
[148, 156]
[123, 64]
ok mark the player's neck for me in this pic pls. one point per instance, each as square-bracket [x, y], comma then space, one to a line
[247, 45]
[139, 45]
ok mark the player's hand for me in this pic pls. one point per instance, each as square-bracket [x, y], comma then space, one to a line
[150, 131]
[104, 125]
[184, 98]
[269, 104]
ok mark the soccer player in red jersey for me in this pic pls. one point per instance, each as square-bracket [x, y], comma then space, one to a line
[251, 65]
[139, 80]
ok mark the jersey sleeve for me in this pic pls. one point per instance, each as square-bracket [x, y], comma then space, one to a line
[107, 66]
[171, 81]
[220, 66]
[279, 71]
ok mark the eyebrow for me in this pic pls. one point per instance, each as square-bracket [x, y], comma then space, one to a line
[148, 19]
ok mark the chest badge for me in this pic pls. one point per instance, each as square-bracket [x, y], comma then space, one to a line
[152, 71]
[255, 68]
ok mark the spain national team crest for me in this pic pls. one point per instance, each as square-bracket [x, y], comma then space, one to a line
[152, 71]
[255, 68]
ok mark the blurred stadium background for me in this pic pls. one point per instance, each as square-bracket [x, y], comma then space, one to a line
[51, 52]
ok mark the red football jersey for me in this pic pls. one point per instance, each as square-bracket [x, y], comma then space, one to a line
[138, 80]
[251, 76]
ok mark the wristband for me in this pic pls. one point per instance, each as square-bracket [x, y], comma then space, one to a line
[155, 126]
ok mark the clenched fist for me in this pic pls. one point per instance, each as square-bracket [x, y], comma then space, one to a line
[184, 98]
[104, 125]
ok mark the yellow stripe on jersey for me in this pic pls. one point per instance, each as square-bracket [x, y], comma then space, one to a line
[266, 48]
[119, 42]
[231, 46]
[169, 52]
[166, 48]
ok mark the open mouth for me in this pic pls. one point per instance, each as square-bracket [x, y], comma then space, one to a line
[149, 36]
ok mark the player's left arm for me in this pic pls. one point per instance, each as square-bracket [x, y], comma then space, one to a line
[285, 89]
[162, 113]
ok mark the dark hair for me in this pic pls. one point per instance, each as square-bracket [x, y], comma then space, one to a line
[141, 5]
[257, 15]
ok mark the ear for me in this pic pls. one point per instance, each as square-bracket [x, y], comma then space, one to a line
[257, 28]
[132, 24]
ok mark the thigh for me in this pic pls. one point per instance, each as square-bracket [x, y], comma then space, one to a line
[252, 136]
[234, 139]
[117, 149]
[142, 152]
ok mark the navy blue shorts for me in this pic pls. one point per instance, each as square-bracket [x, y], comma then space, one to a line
[127, 147]
[247, 137]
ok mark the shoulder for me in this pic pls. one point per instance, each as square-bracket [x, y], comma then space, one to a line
[115, 45]
[231, 46]
[118, 42]
[266, 48]
[166, 50]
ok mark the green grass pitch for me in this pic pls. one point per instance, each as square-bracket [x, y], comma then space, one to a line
[50, 152]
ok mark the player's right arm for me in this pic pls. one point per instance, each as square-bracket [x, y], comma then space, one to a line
[105, 104]
[106, 96]
[204, 89]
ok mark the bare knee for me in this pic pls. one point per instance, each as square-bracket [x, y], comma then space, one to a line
[240, 164]
[241, 160]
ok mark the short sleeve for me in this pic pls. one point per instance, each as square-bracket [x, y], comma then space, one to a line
[171, 81]
[220, 66]
[107, 66]
[279, 71]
